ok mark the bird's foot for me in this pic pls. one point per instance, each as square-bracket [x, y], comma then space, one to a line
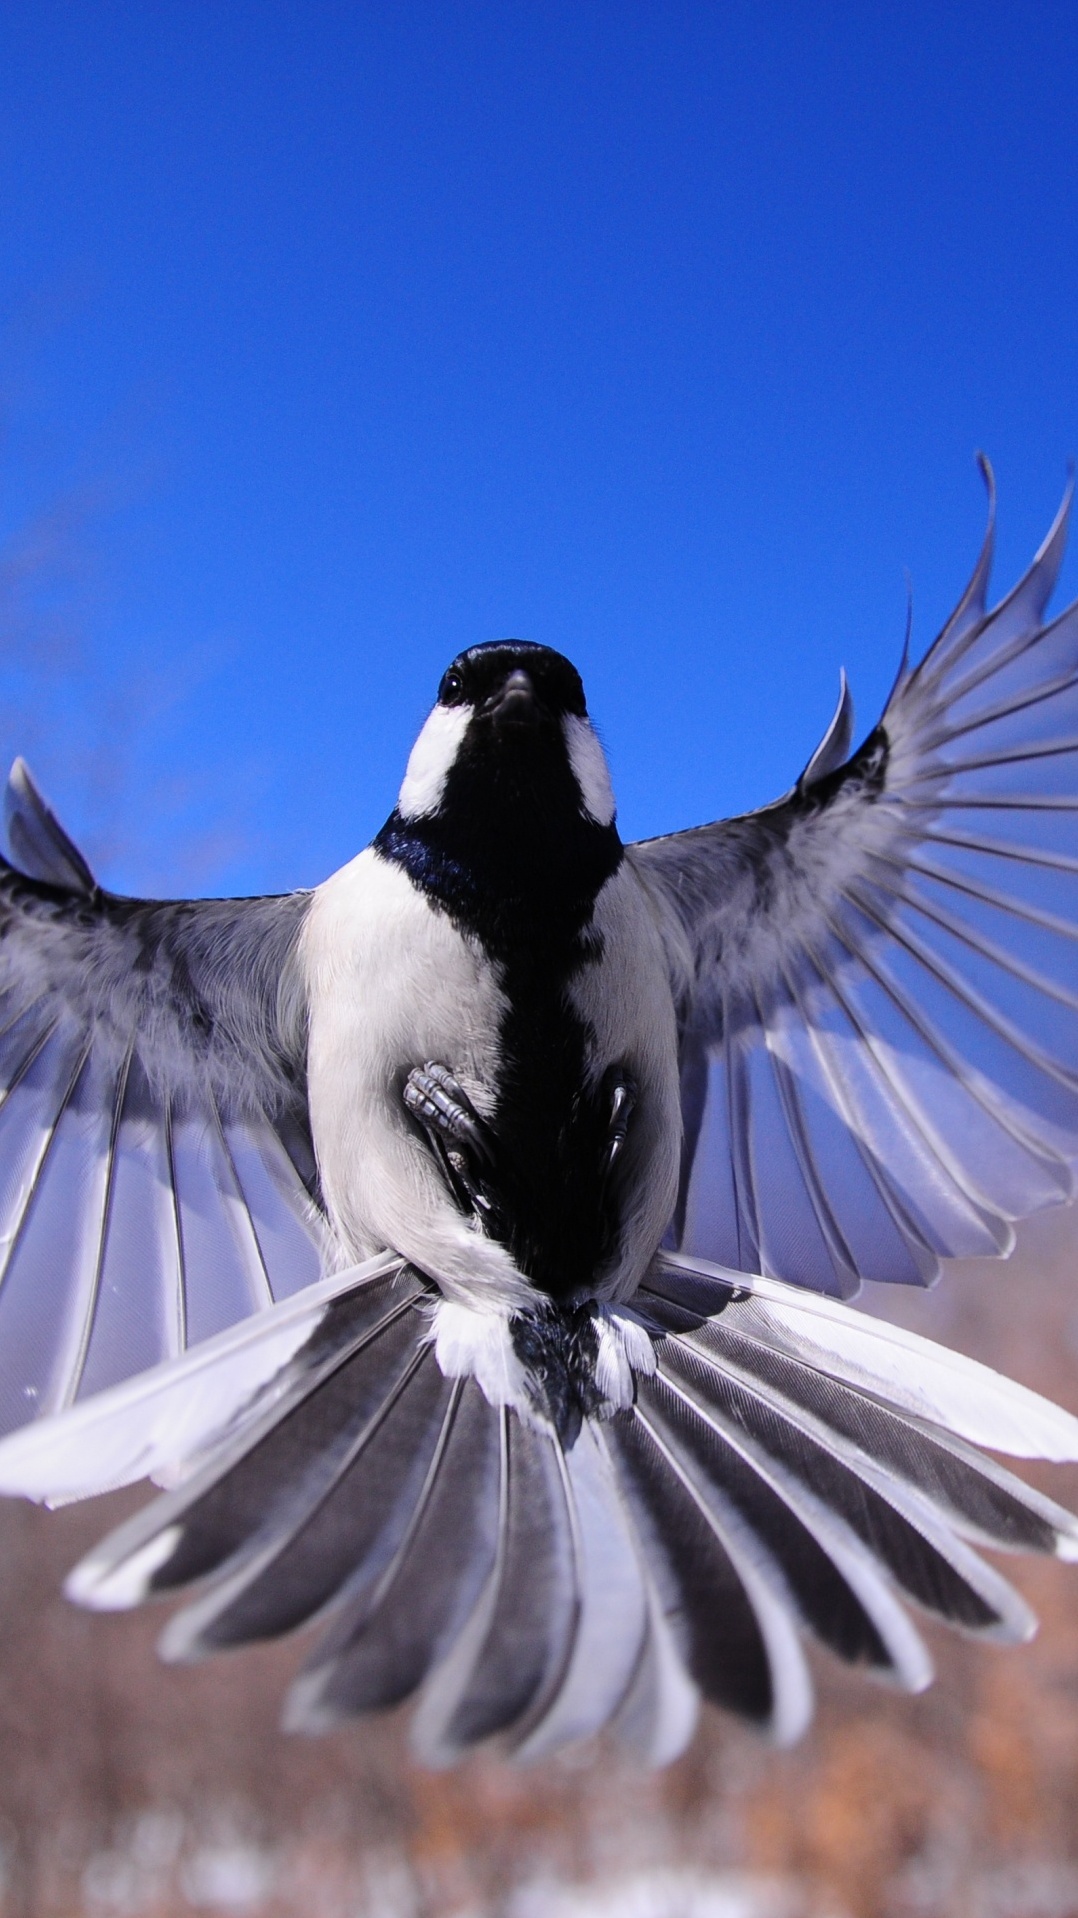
[621, 1094]
[455, 1132]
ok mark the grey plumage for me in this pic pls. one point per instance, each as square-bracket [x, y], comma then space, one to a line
[156, 1174]
[879, 973]
[544, 1508]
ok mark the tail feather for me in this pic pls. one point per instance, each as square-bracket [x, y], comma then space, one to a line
[982, 1499]
[612, 1616]
[164, 1422]
[909, 1373]
[724, 1639]
[342, 1535]
[806, 1556]
[658, 1714]
[254, 1491]
[386, 1641]
[779, 1467]
[513, 1653]
[924, 1556]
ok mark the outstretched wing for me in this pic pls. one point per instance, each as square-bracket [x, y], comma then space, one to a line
[879, 973]
[156, 1176]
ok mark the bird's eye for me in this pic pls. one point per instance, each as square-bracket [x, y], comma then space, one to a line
[451, 687]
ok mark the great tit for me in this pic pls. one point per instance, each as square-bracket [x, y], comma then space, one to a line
[464, 1245]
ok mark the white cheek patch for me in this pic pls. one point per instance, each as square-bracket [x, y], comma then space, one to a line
[590, 770]
[430, 760]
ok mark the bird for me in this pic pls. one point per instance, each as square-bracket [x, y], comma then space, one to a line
[466, 1247]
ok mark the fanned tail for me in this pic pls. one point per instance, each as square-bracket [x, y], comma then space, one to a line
[786, 1467]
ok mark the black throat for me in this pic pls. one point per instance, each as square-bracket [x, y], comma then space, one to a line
[509, 855]
[514, 861]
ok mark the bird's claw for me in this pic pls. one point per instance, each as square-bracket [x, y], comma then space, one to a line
[435, 1098]
[622, 1095]
[455, 1131]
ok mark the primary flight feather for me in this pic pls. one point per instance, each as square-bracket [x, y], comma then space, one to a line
[454, 1242]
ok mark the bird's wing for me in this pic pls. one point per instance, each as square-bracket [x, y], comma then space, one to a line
[156, 1175]
[878, 975]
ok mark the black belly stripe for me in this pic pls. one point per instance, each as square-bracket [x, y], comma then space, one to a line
[551, 1127]
[529, 899]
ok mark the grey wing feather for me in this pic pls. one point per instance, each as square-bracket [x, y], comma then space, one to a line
[878, 975]
[39, 845]
[155, 1175]
[832, 751]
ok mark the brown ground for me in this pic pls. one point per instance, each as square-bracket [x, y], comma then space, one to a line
[129, 1788]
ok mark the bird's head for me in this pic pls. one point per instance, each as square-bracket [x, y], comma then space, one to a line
[510, 730]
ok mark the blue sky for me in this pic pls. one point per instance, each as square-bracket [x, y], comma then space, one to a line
[336, 337]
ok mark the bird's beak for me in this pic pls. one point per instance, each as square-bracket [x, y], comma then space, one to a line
[515, 704]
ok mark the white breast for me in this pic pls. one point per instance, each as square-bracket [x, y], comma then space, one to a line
[391, 984]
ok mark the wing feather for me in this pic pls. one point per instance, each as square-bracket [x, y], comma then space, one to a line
[890, 953]
[156, 1176]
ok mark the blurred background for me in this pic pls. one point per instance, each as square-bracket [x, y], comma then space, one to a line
[335, 337]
